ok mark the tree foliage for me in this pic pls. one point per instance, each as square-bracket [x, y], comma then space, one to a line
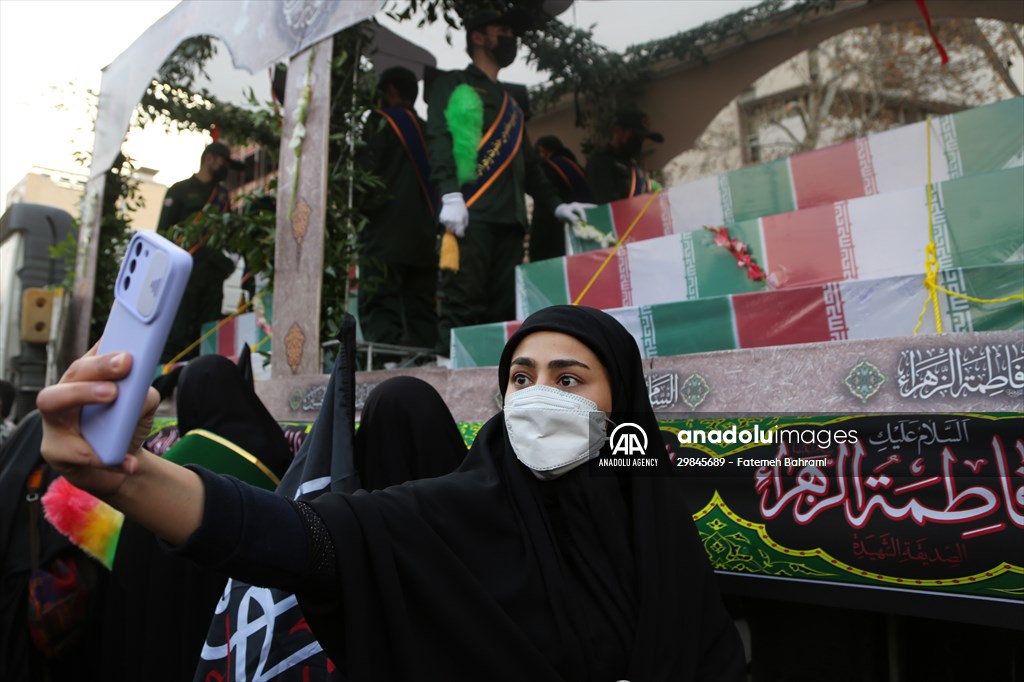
[174, 100]
[121, 197]
[873, 78]
[249, 230]
[862, 81]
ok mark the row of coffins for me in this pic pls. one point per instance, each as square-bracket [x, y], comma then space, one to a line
[855, 309]
[976, 220]
[840, 235]
[966, 143]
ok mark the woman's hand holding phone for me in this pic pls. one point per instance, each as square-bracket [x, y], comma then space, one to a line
[92, 379]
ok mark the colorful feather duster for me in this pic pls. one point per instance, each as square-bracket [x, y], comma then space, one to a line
[90, 523]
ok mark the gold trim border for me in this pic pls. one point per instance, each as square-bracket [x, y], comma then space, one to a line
[760, 529]
[238, 451]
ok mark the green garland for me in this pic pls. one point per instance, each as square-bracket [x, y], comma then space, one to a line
[604, 81]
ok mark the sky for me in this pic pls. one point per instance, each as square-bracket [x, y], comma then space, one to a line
[52, 52]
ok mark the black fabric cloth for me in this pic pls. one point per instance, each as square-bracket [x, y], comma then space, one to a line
[19, 659]
[159, 606]
[216, 395]
[489, 573]
[323, 463]
[405, 433]
[398, 302]
[252, 535]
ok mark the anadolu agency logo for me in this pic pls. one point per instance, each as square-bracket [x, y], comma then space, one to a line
[629, 444]
[628, 439]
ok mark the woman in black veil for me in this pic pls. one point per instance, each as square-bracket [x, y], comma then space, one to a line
[405, 433]
[158, 607]
[520, 565]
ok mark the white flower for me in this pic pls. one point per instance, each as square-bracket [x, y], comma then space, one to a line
[588, 232]
[298, 134]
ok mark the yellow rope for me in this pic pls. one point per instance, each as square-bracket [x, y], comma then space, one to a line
[931, 259]
[620, 242]
[169, 365]
[266, 337]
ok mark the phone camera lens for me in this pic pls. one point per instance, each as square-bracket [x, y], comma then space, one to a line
[138, 248]
[131, 266]
[127, 282]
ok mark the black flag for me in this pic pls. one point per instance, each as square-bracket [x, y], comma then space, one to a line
[260, 634]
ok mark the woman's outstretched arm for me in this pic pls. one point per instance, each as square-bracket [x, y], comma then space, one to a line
[217, 521]
[163, 496]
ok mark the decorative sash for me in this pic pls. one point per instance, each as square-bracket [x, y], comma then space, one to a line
[498, 147]
[220, 198]
[218, 454]
[572, 175]
[640, 183]
[405, 125]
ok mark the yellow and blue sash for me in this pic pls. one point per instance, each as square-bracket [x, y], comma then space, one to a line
[497, 148]
[640, 183]
[405, 125]
[572, 176]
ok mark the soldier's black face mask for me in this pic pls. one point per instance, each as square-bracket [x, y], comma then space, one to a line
[505, 51]
[632, 147]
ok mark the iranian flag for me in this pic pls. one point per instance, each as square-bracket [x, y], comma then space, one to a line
[246, 328]
[976, 221]
[834, 311]
[963, 144]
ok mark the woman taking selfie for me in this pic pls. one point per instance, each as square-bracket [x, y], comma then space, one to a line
[519, 565]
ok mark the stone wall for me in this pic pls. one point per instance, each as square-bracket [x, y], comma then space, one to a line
[964, 372]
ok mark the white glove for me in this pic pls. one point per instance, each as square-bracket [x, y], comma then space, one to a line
[454, 214]
[572, 212]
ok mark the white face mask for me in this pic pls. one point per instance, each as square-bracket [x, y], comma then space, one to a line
[553, 431]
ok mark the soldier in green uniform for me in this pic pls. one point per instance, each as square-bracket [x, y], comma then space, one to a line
[547, 235]
[204, 294]
[398, 246]
[613, 172]
[485, 208]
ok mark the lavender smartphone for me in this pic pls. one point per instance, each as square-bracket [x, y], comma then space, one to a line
[146, 297]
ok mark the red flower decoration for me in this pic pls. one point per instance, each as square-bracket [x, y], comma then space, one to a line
[739, 250]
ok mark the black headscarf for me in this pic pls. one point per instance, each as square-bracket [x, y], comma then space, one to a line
[20, 661]
[216, 395]
[488, 573]
[405, 433]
